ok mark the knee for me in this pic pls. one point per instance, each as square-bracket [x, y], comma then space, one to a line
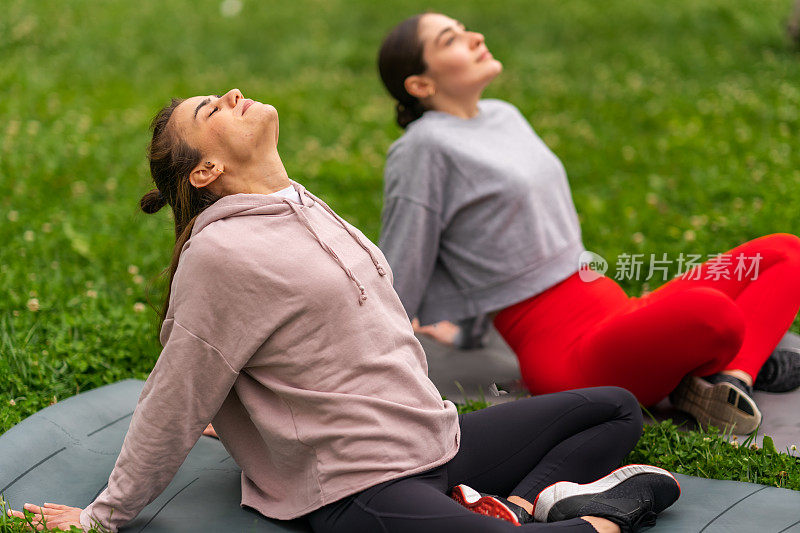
[713, 317]
[629, 409]
[627, 406]
[631, 413]
[785, 246]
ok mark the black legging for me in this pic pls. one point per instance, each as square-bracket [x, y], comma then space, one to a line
[517, 448]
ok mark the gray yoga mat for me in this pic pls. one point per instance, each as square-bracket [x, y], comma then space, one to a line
[475, 371]
[64, 454]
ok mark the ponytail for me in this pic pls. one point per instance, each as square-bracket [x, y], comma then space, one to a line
[400, 56]
[171, 162]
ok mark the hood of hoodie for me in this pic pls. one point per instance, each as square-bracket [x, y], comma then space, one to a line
[236, 205]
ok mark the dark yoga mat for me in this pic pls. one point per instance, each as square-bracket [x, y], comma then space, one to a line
[64, 454]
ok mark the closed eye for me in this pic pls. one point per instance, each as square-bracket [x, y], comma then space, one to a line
[216, 108]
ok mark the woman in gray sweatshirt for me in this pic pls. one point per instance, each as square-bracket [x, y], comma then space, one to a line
[281, 325]
[478, 220]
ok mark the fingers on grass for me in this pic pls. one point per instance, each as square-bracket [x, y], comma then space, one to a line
[58, 506]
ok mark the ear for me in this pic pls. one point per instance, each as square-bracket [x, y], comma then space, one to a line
[420, 86]
[202, 175]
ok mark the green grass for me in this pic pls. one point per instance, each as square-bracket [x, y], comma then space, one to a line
[677, 124]
[714, 455]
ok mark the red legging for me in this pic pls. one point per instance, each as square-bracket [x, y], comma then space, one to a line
[582, 334]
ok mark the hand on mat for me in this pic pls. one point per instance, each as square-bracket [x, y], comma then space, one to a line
[444, 332]
[54, 515]
[210, 431]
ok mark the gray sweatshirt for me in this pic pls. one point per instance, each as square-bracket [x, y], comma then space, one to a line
[284, 328]
[477, 214]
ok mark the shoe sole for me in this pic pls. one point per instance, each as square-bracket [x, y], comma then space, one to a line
[485, 505]
[557, 492]
[717, 404]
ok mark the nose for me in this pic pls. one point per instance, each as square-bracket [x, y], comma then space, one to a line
[476, 38]
[232, 97]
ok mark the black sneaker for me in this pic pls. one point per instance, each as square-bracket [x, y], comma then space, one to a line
[489, 505]
[781, 372]
[630, 496]
[719, 400]
[719, 377]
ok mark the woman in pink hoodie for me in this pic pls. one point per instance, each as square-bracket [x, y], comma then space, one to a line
[281, 325]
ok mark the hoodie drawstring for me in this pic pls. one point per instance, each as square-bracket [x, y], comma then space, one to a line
[375, 261]
[307, 223]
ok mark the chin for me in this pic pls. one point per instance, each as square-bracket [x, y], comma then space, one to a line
[496, 67]
[493, 71]
[274, 121]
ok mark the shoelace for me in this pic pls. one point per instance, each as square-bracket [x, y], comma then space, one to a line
[648, 519]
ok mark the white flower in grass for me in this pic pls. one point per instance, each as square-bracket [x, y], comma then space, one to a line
[689, 235]
[33, 305]
[133, 270]
[628, 153]
[230, 8]
[637, 237]
[698, 221]
[13, 216]
[12, 402]
[138, 307]
[79, 188]
[137, 279]
[91, 293]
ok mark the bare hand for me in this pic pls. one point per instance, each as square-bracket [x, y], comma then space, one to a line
[55, 516]
[445, 332]
[210, 431]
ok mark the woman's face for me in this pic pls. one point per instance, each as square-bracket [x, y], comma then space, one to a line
[229, 128]
[458, 61]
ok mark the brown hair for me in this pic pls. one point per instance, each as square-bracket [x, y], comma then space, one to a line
[171, 162]
[400, 57]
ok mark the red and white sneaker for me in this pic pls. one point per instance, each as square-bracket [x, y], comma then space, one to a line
[489, 505]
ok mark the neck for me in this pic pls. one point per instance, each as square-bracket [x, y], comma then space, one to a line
[462, 107]
[265, 176]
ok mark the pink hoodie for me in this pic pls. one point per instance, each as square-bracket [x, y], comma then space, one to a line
[284, 328]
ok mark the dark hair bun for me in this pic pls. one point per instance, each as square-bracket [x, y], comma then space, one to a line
[408, 113]
[152, 201]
